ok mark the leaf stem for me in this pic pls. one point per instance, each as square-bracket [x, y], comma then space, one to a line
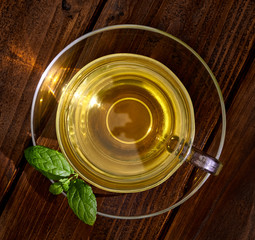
[75, 176]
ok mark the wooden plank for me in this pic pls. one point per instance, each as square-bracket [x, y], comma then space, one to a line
[224, 207]
[207, 30]
[32, 33]
[218, 36]
[37, 214]
[222, 38]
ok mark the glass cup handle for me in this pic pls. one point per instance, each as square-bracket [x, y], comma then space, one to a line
[204, 161]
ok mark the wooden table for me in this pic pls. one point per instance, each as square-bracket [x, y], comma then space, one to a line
[222, 32]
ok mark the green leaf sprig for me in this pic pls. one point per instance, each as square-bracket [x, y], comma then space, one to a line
[53, 165]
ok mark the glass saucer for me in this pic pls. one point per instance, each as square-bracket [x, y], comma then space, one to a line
[189, 67]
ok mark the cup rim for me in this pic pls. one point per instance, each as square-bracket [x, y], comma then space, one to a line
[110, 182]
[151, 29]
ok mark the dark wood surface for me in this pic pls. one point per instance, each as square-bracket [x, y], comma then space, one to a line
[222, 32]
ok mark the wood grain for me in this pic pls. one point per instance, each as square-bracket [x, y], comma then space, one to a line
[37, 214]
[224, 207]
[222, 32]
[222, 38]
[218, 36]
[32, 33]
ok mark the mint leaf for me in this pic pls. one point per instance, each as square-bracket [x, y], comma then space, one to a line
[65, 183]
[56, 188]
[82, 201]
[53, 165]
[49, 162]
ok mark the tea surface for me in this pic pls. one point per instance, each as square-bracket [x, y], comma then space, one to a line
[123, 119]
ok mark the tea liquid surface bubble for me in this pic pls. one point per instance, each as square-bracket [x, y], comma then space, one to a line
[123, 121]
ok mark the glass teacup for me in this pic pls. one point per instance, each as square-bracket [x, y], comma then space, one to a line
[126, 123]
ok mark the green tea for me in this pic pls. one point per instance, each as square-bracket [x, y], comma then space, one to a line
[123, 121]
